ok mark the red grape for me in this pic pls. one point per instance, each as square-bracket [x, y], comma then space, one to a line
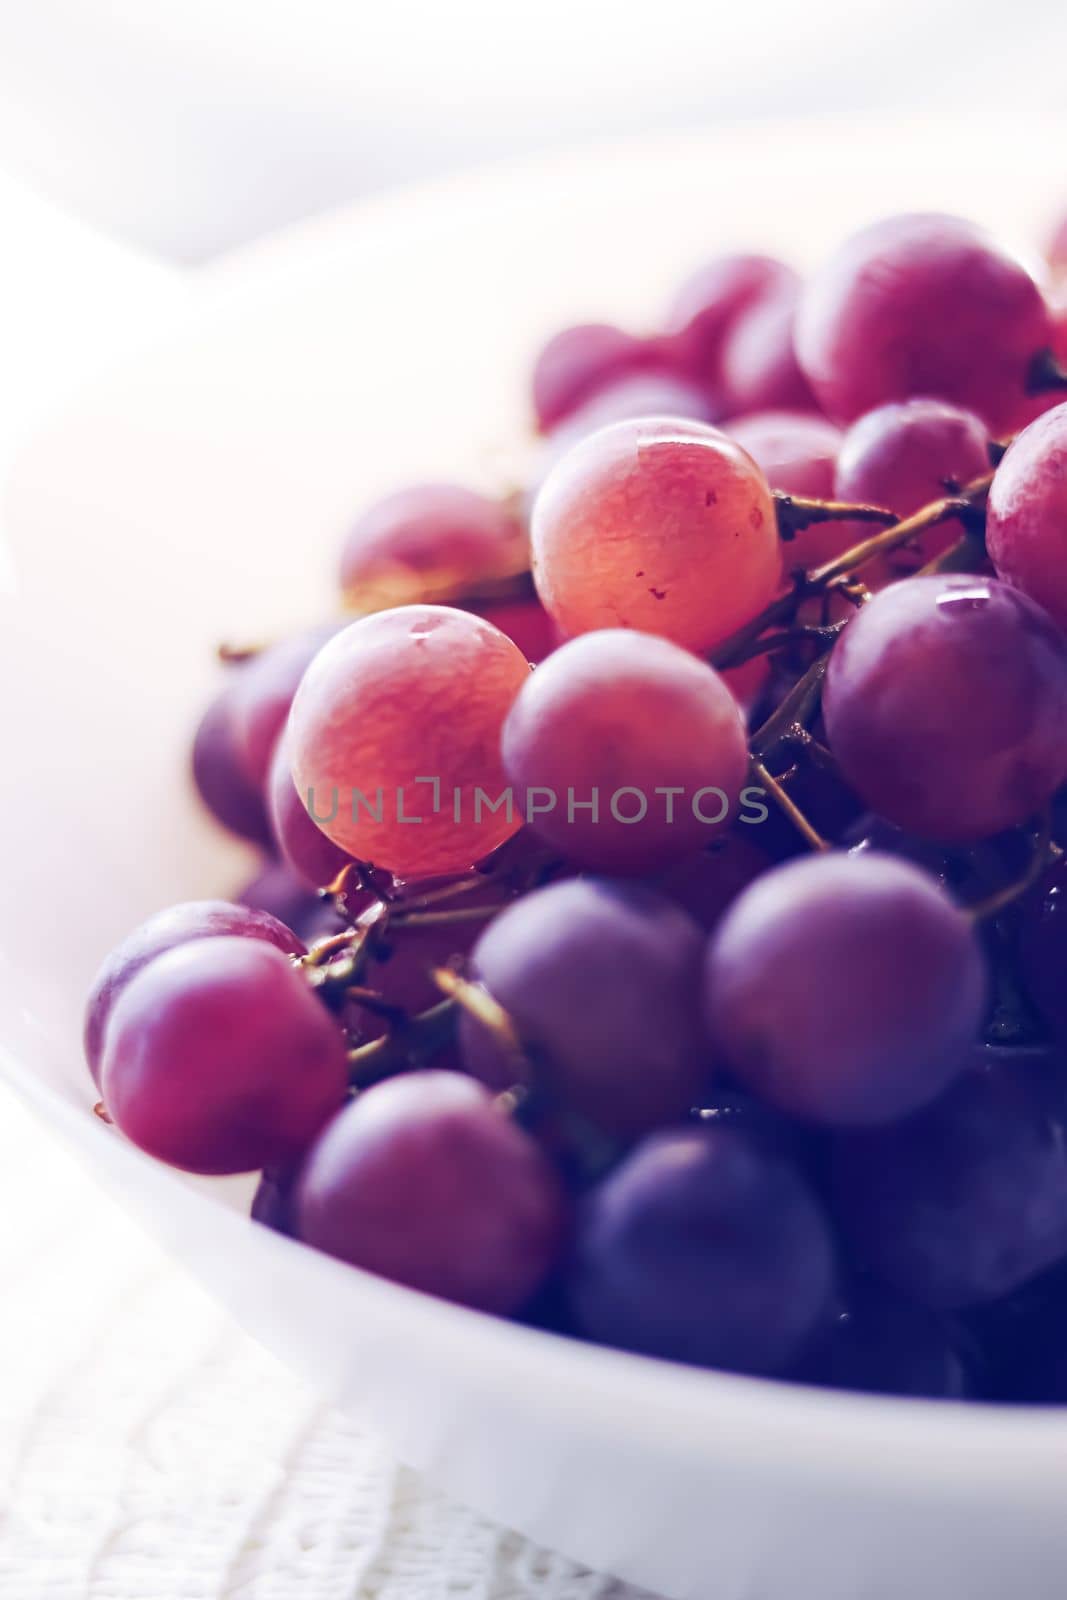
[424, 1180]
[705, 1246]
[945, 703]
[1026, 527]
[603, 982]
[657, 524]
[626, 752]
[797, 453]
[195, 919]
[903, 456]
[709, 303]
[416, 693]
[218, 1058]
[227, 791]
[922, 304]
[579, 361]
[306, 849]
[966, 1200]
[844, 988]
[262, 692]
[759, 364]
[428, 542]
[525, 622]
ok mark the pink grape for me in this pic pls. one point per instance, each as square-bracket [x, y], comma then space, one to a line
[710, 302]
[227, 791]
[428, 542]
[922, 304]
[424, 1180]
[759, 365]
[525, 622]
[905, 455]
[1026, 526]
[219, 1058]
[306, 849]
[945, 702]
[844, 988]
[263, 690]
[657, 524]
[419, 692]
[602, 981]
[797, 453]
[608, 724]
[177, 925]
[579, 361]
[705, 1246]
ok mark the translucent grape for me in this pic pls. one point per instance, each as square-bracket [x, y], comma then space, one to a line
[903, 456]
[428, 542]
[304, 847]
[194, 919]
[424, 1180]
[626, 752]
[921, 304]
[640, 394]
[966, 1200]
[417, 693]
[1026, 526]
[219, 1058]
[579, 361]
[657, 524]
[709, 303]
[844, 988]
[759, 365]
[602, 982]
[703, 1246]
[227, 791]
[797, 453]
[945, 703]
[262, 692]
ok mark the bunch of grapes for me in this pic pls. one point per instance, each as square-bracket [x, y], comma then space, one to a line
[662, 928]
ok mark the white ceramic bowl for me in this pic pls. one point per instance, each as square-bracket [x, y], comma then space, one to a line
[200, 495]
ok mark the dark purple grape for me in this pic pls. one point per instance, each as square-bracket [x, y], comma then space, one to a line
[221, 781]
[579, 361]
[219, 1058]
[425, 1180]
[945, 704]
[1026, 526]
[922, 304]
[195, 919]
[315, 859]
[881, 1343]
[272, 1203]
[262, 692]
[602, 981]
[967, 1199]
[703, 1246]
[844, 988]
[1043, 946]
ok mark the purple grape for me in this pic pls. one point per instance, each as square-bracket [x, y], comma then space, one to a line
[703, 1246]
[945, 703]
[922, 304]
[579, 361]
[314, 858]
[279, 891]
[626, 752]
[707, 883]
[709, 304]
[905, 455]
[759, 370]
[223, 785]
[262, 692]
[272, 1203]
[797, 453]
[195, 919]
[218, 1057]
[426, 1181]
[966, 1200]
[602, 982]
[1043, 946]
[427, 542]
[844, 989]
[1026, 526]
[881, 1343]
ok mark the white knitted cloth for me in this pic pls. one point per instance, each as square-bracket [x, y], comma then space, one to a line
[149, 1450]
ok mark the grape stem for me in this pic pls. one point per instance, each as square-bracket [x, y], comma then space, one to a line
[771, 642]
[1043, 850]
[787, 806]
[796, 512]
[408, 1045]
